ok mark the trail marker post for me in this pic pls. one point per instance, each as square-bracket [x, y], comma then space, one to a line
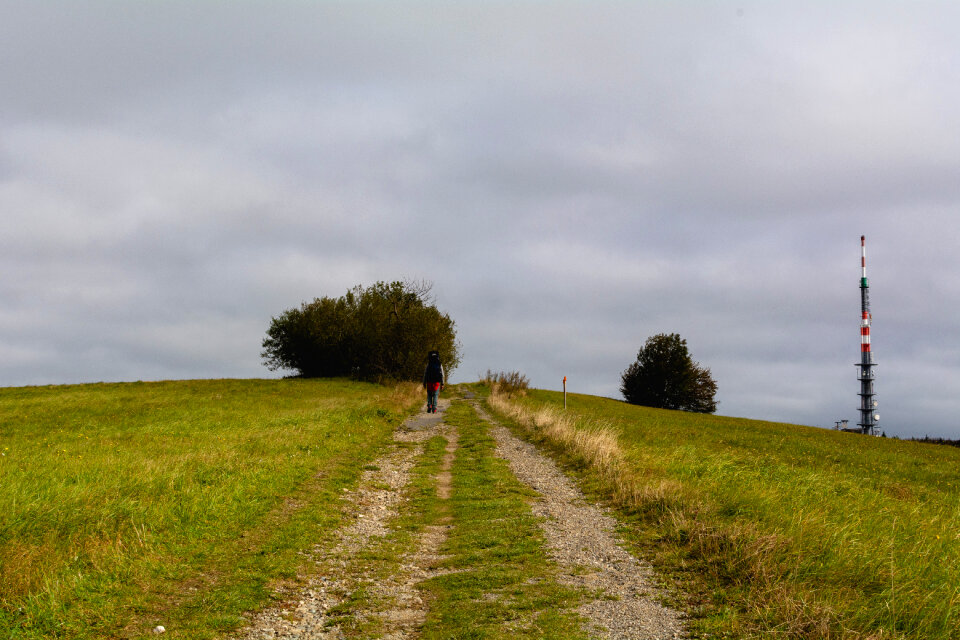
[564, 392]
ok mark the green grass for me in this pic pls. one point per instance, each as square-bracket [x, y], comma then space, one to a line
[123, 506]
[788, 531]
[502, 585]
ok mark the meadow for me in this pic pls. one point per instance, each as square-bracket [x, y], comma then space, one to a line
[187, 503]
[124, 506]
[771, 530]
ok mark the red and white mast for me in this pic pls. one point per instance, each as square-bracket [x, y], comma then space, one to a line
[864, 300]
[868, 417]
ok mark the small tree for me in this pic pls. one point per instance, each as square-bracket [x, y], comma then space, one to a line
[379, 333]
[665, 376]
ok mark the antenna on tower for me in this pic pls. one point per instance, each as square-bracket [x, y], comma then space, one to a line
[868, 406]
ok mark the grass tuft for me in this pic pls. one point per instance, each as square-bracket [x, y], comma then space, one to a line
[510, 383]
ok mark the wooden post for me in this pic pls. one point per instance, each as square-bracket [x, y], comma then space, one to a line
[564, 392]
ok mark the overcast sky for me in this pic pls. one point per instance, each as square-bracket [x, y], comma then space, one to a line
[573, 178]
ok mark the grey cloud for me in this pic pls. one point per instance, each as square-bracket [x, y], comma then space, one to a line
[573, 180]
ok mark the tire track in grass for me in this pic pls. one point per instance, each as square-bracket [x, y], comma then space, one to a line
[582, 540]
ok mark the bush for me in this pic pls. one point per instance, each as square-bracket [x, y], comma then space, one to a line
[379, 334]
[509, 383]
[666, 377]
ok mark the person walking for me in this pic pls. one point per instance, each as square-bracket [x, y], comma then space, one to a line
[433, 380]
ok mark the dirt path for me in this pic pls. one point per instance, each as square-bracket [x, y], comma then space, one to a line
[383, 598]
[583, 542]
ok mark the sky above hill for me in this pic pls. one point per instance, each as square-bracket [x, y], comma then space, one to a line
[573, 177]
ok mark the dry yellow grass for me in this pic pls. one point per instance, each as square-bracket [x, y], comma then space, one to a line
[406, 394]
[594, 445]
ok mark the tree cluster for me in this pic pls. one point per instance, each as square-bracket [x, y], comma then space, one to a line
[665, 376]
[378, 333]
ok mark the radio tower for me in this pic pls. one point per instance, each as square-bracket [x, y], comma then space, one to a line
[868, 419]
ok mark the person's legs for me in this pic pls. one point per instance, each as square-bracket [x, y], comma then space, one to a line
[431, 399]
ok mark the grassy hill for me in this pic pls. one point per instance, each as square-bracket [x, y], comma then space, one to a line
[124, 505]
[186, 503]
[778, 530]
